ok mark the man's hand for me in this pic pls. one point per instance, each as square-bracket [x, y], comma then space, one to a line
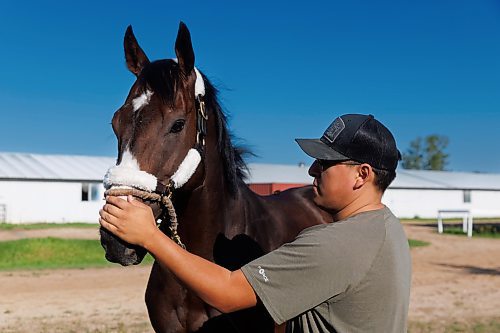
[131, 220]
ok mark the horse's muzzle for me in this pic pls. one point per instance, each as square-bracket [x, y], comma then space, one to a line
[119, 251]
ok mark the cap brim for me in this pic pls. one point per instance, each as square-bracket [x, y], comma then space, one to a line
[319, 150]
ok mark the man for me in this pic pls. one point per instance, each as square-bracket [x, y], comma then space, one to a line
[352, 275]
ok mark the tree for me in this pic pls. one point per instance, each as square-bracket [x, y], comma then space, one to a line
[413, 158]
[427, 153]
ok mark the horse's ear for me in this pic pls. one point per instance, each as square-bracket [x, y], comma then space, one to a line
[184, 49]
[135, 56]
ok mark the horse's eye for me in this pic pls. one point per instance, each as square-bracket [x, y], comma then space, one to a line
[177, 126]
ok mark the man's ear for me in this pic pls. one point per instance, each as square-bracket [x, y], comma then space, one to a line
[364, 175]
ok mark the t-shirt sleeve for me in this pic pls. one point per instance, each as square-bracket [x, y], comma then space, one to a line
[317, 266]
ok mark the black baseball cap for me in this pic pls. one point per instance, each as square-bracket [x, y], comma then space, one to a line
[356, 137]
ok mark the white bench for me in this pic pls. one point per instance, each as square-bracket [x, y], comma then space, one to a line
[463, 213]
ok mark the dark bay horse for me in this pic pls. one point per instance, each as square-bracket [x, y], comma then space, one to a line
[171, 130]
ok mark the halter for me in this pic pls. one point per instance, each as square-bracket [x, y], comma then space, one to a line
[123, 180]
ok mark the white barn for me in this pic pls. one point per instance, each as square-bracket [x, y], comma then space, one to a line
[421, 193]
[51, 188]
[68, 188]
[414, 193]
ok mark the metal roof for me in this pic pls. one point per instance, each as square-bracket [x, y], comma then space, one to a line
[26, 166]
[427, 179]
[53, 167]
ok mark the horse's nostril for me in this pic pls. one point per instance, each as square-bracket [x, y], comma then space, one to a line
[129, 252]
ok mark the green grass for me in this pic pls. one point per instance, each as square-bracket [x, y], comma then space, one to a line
[477, 220]
[417, 243]
[478, 231]
[50, 253]
[486, 325]
[32, 226]
[54, 253]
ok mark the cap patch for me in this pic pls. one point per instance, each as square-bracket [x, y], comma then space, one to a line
[333, 131]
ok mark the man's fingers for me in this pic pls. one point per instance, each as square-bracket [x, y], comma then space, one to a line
[112, 210]
[118, 202]
[108, 226]
[124, 204]
[107, 217]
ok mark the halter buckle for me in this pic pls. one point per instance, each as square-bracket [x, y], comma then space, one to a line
[202, 110]
[198, 134]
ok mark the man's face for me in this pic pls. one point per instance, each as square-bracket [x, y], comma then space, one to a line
[334, 183]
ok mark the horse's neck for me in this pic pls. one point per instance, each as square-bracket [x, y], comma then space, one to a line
[213, 205]
[270, 221]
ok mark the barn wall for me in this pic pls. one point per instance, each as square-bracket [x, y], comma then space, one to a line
[279, 187]
[41, 201]
[486, 203]
[409, 203]
[271, 188]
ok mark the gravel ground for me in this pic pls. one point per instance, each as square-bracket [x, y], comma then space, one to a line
[455, 280]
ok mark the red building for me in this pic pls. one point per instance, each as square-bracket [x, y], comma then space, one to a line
[272, 188]
[266, 179]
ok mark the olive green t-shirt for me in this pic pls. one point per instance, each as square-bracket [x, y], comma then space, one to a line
[348, 276]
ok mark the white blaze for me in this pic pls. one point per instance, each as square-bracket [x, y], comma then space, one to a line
[129, 161]
[142, 100]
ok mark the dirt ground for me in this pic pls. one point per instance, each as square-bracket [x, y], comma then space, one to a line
[455, 280]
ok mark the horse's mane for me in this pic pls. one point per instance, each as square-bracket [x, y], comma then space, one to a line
[162, 77]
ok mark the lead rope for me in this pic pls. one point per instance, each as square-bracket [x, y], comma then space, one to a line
[164, 200]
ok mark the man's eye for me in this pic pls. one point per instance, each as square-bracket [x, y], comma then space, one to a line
[177, 126]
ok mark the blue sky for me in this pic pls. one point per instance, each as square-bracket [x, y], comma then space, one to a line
[284, 69]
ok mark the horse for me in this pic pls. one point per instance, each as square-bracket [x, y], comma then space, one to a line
[173, 140]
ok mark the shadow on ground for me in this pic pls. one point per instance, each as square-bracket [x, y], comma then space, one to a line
[474, 270]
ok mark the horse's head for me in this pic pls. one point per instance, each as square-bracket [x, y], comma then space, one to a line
[159, 131]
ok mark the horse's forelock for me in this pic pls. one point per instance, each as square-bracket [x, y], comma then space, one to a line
[162, 78]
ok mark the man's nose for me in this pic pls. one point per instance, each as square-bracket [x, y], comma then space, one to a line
[315, 169]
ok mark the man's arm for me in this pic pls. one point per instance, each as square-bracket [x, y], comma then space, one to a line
[224, 290]
[133, 221]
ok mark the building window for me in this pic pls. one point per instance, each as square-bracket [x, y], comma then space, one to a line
[467, 196]
[94, 192]
[85, 192]
[91, 192]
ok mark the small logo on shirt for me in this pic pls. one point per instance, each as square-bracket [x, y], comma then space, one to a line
[263, 273]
